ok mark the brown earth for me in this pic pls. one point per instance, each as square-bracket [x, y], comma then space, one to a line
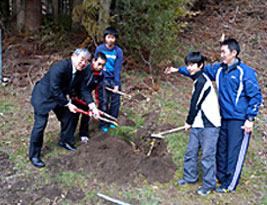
[112, 159]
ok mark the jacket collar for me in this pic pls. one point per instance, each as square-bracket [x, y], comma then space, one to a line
[195, 76]
[231, 66]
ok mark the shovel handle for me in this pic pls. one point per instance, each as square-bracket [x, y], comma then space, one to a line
[83, 112]
[119, 92]
[90, 114]
[170, 131]
[107, 115]
[109, 121]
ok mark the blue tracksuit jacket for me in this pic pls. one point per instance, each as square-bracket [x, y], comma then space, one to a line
[114, 62]
[238, 89]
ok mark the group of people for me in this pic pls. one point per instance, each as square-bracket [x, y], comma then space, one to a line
[221, 126]
[72, 79]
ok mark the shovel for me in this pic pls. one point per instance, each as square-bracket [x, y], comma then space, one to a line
[159, 135]
[119, 92]
[89, 113]
[100, 112]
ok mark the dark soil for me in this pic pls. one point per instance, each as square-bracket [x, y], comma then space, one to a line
[113, 159]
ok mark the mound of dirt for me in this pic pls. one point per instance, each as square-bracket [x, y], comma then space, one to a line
[112, 159]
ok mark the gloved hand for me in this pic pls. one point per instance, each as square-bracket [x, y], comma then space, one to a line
[72, 107]
[94, 110]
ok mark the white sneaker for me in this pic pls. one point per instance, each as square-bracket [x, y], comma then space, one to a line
[84, 139]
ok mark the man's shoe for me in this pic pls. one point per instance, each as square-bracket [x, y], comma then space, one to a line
[67, 146]
[104, 129]
[37, 162]
[84, 139]
[112, 126]
[220, 189]
[182, 182]
[203, 192]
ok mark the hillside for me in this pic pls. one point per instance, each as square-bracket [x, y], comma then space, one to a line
[117, 164]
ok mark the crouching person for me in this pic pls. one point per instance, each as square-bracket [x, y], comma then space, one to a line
[204, 121]
[50, 93]
[93, 76]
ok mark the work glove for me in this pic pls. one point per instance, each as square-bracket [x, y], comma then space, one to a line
[94, 110]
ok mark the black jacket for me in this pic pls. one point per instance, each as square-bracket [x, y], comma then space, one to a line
[52, 89]
[91, 81]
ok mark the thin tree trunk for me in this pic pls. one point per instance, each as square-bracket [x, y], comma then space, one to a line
[4, 12]
[20, 11]
[104, 13]
[33, 15]
[55, 9]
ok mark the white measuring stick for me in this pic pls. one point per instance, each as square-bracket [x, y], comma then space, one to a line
[116, 201]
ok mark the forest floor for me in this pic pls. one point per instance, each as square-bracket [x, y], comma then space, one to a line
[117, 164]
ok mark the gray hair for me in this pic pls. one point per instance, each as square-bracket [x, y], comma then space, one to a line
[78, 51]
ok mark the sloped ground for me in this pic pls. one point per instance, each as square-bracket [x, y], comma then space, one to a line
[120, 166]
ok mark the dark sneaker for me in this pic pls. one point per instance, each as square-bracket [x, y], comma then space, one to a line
[203, 192]
[182, 182]
[220, 189]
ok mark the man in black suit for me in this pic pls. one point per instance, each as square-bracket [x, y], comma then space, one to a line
[50, 93]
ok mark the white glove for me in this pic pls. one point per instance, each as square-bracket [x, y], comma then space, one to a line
[94, 110]
[71, 107]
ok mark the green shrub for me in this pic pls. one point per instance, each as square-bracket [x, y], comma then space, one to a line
[148, 28]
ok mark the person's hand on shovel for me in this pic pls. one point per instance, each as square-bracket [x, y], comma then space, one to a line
[94, 110]
[187, 126]
[116, 89]
[72, 107]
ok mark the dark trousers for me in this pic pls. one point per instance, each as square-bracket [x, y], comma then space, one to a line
[231, 151]
[109, 102]
[40, 121]
[84, 124]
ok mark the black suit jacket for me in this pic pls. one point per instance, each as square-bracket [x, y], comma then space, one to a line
[52, 89]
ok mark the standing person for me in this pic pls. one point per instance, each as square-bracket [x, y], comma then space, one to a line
[204, 121]
[93, 76]
[50, 93]
[239, 98]
[109, 102]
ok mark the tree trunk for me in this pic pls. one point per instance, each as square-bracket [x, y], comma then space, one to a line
[33, 15]
[55, 9]
[104, 13]
[76, 24]
[20, 15]
[4, 12]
